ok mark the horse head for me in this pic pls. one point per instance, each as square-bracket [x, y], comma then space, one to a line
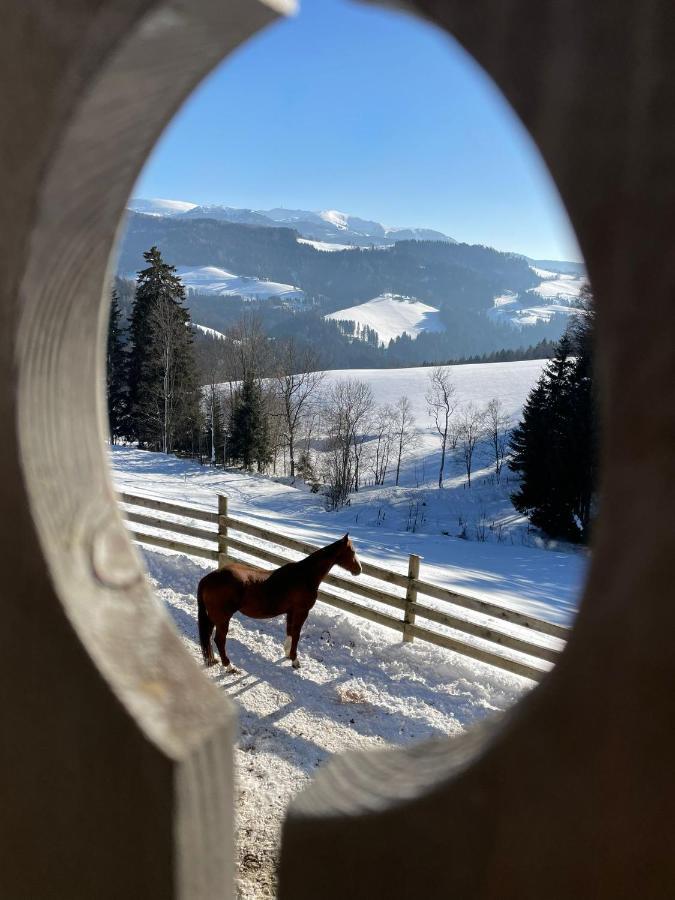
[348, 558]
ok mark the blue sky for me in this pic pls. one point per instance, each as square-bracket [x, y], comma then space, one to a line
[370, 112]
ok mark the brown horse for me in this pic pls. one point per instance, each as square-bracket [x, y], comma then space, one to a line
[291, 589]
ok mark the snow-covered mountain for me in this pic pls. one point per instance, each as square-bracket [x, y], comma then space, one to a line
[160, 207]
[327, 226]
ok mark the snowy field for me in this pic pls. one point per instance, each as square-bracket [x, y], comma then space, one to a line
[391, 316]
[358, 685]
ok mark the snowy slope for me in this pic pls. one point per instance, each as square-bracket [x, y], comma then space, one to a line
[554, 284]
[391, 316]
[213, 280]
[324, 245]
[555, 296]
[478, 383]
[158, 207]
[211, 332]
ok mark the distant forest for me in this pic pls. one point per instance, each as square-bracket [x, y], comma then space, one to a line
[335, 349]
[460, 280]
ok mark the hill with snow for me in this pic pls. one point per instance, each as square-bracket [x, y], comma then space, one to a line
[214, 280]
[391, 316]
[556, 296]
[160, 207]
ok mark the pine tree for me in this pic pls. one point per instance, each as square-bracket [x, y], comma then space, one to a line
[554, 446]
[248, 432]
[115, 371]
[164, 401]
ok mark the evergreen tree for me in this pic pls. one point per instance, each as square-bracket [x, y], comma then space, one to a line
[554, 446]
[164, 401]
[248, 433]
[115, 371]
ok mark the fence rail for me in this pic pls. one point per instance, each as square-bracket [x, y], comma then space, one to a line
[490, 630]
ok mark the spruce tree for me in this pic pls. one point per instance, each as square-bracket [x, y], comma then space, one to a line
[554, 446]
[115, 371]
[164, 408]
[248, 432]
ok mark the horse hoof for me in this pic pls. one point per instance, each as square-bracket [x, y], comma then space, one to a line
[287, 647]
[209, 662]
[296, 663]
[232, 670]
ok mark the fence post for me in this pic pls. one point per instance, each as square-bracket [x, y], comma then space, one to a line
[222, 530]
[410, 596]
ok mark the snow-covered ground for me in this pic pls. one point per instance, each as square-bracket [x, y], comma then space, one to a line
[214, 280]
[391, 316]
[359, 686]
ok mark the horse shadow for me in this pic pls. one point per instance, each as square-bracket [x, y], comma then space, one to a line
[288, 691]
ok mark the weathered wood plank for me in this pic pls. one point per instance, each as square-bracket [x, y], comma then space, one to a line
[492, 609]
[365, 612]
[189, 549]
[486, 633]
[176, 509]
[165, 525]
[411, 596]
[478, 653]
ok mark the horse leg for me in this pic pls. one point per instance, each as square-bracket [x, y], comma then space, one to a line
[298, 619]
[289, 635]
[220, 638]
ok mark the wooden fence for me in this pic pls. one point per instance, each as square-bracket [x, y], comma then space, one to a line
[495, 638]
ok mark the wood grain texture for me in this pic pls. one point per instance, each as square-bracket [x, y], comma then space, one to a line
[571, 794]
[115, 752]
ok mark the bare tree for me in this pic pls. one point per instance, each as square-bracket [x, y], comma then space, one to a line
[383, 439]
[297, 379]
[497, 425]
[249, 348]
[168, 327]
[442, 403]
[471, 429]
[348, 407]
[404, 433]
[211, 354]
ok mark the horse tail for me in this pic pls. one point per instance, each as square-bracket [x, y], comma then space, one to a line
[206, 626]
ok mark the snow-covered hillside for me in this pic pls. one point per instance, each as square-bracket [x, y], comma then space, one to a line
[210, 332]
[213, 280]
[391, 316]
[158, 207]
[556, 295]
[325, 246]
[478, 383]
